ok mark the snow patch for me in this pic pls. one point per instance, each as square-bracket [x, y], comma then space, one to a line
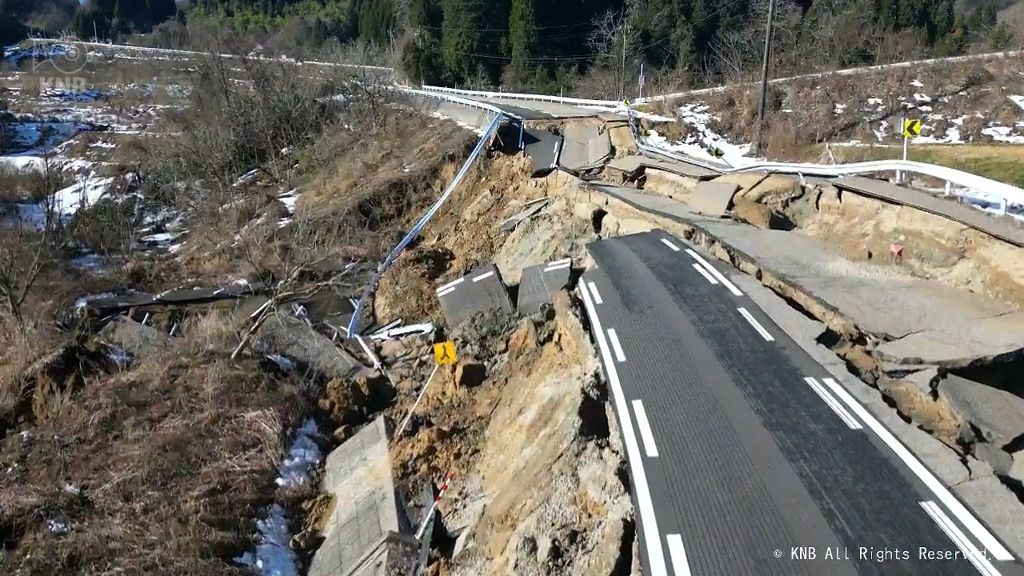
[273, 555]
[1003, 134]
[81, 194]
[1018, 100]
[303, 456]
[917, 84]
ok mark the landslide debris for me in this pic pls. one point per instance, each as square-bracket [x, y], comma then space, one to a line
[539, 471]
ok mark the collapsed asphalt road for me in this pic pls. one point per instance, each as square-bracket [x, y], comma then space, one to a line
[746, 457]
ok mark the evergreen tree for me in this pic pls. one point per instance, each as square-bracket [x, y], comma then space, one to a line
[522, 36]
[461, 36]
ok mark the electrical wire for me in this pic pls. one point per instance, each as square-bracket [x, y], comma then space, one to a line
[581, 57]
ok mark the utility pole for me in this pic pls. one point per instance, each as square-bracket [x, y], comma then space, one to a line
[764, 78]
[625, 38]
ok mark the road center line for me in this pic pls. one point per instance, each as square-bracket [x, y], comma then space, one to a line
[757, 325]
[972, 553]
[714, 272]
[614, 339]
[648, 520]
[597, 295]
[833, 404]
[646, 434]
[705, 274]
[676, 551]
[985, 538]
[669, 243]
[446, 291]
[483, 276]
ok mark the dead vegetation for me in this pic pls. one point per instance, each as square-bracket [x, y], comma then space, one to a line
[836, 107]
[158, 468]
[163, 465]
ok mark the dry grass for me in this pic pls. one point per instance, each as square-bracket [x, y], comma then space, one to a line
[159, 469]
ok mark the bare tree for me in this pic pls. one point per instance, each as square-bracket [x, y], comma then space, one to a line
[26, 249]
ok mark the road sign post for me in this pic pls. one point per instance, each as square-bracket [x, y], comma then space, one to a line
[911, 130]
[444, 353]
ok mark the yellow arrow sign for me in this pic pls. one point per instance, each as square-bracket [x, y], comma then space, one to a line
[911, 128]
[444, 353]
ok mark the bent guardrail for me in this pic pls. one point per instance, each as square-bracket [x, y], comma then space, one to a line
[1007, 194]
[353, 326]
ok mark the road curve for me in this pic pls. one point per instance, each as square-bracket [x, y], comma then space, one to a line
[745, 455]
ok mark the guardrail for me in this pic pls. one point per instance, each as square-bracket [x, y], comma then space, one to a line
[196, 53]
[521, 96]
[353, 326]
[444, 97]
[1008, 194]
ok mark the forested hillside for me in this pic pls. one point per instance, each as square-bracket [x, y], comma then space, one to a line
[599, 45]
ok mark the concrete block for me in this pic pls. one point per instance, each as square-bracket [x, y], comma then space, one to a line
[292, 338]
[358, 476]
[712, 198]
[997, 413]
[132, 337]
[584, 148]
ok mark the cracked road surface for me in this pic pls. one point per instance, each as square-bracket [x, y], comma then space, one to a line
[745, 455]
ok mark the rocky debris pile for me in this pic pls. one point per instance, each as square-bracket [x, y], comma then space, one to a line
[522, 422]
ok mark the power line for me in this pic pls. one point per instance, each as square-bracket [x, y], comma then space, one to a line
[560, 26]
[580, 57]
[696, 22]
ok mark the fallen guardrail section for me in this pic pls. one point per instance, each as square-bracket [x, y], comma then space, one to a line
[353, 327]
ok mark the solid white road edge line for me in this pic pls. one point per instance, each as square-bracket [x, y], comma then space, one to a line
[833, 404]
[597, 295]
[757, 325]
[646, 434]
[451, 284]
[483, 276]
[714, 272]
[648, 521]
[552, 267]
[985, 538]
[705, 274]
[560, 262]
[676, 550]
[614, 339]
[668, 243]
[972, 553]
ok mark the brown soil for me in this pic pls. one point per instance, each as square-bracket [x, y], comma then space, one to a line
[466, 233]
[936, 248]
[531, 450]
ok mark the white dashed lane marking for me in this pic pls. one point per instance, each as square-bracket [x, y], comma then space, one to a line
[757, 325]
